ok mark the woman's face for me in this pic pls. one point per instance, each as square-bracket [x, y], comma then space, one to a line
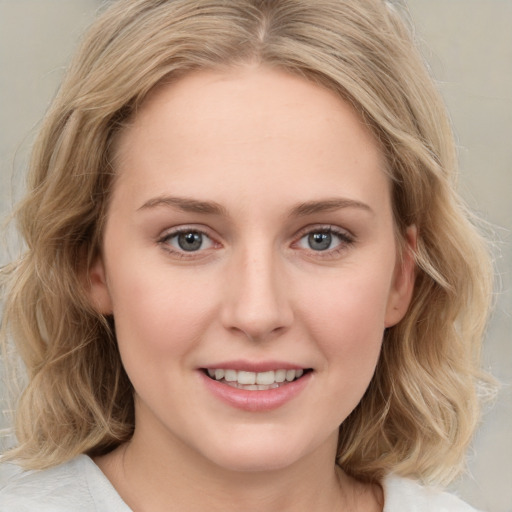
[249, 239]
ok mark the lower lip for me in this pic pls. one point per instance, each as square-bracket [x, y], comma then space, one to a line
[256, 401]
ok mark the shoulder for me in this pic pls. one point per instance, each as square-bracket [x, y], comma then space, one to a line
[404, 495]
[59, 488]
[77, 485]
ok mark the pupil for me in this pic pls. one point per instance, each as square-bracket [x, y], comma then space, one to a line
[320, 241]
[190, 241]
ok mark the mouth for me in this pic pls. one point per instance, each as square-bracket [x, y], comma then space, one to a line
[256, 381]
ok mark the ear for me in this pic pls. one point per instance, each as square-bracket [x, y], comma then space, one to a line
[99, 294]
[403, 280]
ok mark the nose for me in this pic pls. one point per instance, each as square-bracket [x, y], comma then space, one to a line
[257, 302]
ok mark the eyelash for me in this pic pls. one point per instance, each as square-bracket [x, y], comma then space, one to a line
[164, 241]
[345, 241]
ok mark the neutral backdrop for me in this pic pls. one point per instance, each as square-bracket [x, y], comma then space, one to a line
[469, 46]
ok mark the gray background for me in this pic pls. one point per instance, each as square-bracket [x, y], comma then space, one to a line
[469, 46]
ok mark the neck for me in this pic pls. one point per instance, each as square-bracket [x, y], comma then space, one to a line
[171, 477]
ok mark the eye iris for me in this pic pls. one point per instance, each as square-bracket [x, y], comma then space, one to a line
[320, 241]
[190, 241]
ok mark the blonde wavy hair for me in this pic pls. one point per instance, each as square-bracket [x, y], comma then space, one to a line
[420, 410]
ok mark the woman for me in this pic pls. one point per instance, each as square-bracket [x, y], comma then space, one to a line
[247, 272]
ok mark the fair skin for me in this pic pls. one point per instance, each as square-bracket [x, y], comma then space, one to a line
[250, 229]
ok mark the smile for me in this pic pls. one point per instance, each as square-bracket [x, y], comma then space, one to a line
[255, 381]
[256, 391]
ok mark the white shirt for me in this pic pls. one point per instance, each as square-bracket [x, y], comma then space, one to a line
[80, 486]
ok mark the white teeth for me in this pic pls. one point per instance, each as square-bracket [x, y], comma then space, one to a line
[261, 387]
[280, 375]
[253, 387]
[290, 375]
[265, 378]
[254, 380]
[246, 378]
[230, 375]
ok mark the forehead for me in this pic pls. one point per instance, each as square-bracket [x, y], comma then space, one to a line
[250, 128]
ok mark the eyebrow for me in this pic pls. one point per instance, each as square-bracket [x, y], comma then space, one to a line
[212, 208]
[186, 204]
[327, 205]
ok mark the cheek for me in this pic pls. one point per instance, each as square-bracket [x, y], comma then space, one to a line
[347, 324]
[158, 314]
[158, 328]
[346, 317]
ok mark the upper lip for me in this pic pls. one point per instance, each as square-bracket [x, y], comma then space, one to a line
[255, 366]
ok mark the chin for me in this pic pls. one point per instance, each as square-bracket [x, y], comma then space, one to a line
[256, 462]
[262, 452]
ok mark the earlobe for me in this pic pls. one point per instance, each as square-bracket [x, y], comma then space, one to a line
[403, 281]
[99, 294]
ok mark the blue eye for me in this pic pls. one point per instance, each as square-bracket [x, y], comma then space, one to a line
[188, 241]
[322, 240]
[319, 241]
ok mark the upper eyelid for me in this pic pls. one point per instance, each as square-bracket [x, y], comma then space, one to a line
[164, 241]
[169, 232]
[346, 239]
[325, 227]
